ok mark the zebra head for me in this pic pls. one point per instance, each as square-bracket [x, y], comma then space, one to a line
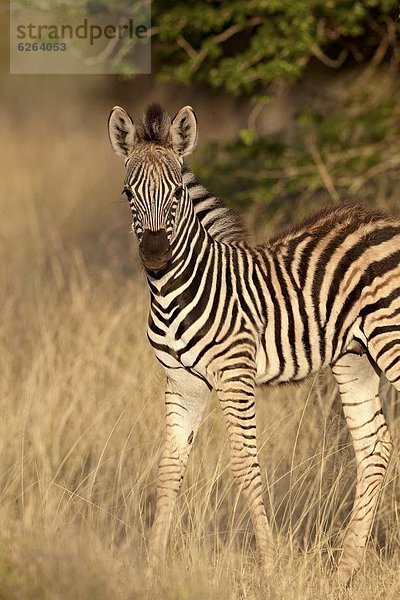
[154, 148]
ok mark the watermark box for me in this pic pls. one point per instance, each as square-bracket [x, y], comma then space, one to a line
[81, 37]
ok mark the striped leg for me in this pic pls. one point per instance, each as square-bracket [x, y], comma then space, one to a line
[236, 395]
[185, 399]
[358, 385]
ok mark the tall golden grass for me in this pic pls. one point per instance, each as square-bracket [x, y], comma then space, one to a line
[82, 411]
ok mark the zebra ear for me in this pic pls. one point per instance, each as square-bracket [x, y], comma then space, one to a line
[121, 131]
[183, 131]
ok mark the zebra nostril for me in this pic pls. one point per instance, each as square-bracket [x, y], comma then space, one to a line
[155, 242]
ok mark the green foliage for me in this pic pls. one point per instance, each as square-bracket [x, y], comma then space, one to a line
[244, 46]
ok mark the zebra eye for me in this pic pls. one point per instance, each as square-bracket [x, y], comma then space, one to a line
[128, 193]
[178, 193]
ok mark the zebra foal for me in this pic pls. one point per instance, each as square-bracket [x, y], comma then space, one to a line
[227, 316]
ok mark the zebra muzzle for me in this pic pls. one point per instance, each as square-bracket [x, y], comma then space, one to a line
[155, 249]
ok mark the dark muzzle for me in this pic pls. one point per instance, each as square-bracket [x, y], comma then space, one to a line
[155, 249]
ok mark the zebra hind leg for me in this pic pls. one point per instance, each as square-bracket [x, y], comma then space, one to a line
[359, 386]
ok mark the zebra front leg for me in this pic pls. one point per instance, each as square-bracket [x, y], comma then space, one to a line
[185, 399]
[359, 385]
[236, 395]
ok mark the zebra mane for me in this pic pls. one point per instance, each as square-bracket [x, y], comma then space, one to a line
[154, 125]
[221, 222]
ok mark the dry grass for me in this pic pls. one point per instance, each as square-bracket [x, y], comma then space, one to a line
[81, 405]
